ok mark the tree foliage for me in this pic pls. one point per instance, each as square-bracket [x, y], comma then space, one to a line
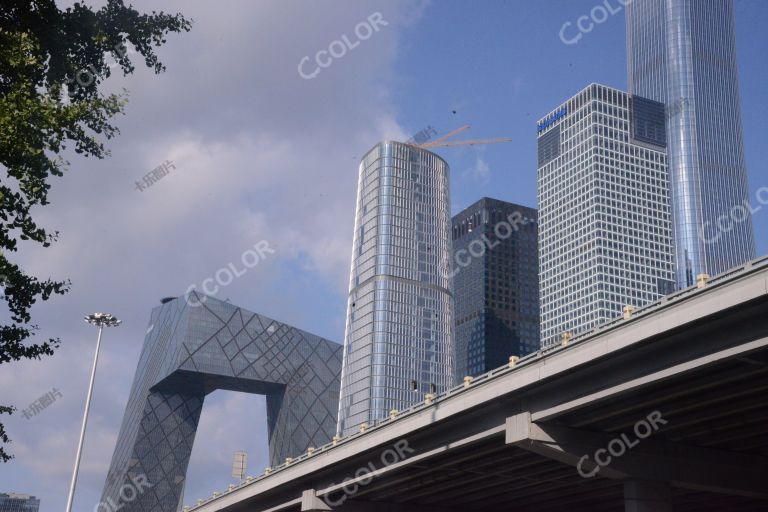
[52, 64]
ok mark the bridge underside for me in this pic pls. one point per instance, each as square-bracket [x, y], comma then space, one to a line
[666, 411]
[722, 410]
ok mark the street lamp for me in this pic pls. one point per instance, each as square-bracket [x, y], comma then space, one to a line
[100, 320]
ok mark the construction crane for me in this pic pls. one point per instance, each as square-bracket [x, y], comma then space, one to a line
[443, 141]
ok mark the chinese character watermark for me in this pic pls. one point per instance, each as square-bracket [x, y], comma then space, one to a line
[297, 384]
[423, 136]
[41, 403]
[155, 175]
[675, 108]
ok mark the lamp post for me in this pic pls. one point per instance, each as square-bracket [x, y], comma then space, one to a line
[100, 320]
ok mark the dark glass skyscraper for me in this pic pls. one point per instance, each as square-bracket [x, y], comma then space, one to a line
[400, 309]
[682, 53]
[496, 284]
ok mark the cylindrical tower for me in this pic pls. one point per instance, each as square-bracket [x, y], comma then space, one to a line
[399, 330]
[683, 53]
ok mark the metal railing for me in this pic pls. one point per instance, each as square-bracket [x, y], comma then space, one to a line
[663, 303]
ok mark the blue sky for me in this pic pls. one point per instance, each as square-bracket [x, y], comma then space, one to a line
[262, 154]
[501, 66]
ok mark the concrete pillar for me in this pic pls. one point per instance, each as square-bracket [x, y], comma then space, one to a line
[647, 496]
[311, 503]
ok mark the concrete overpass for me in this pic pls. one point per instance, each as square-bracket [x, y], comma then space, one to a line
[666, 410]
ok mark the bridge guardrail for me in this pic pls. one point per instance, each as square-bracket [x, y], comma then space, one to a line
[749, 267]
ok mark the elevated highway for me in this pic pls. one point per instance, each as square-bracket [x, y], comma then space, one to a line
[666, 410]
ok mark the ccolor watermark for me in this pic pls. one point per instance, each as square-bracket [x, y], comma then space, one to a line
[479, 247]
[226, 275]
[585, 24]
[86, 77]
[127, 494]
[725, 223]
[617, 447]
[365, 475]
[339, 47]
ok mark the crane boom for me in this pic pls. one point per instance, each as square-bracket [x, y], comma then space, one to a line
[443, 141]
[444, 137]
[468, 142]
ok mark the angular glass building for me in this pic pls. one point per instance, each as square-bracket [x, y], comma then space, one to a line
[399, 329]
[605, 224]
[496, 284]
[194, 347]
[14, 502]
[682, 53]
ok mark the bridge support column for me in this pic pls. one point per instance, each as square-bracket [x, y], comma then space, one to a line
[311, 503]
[647, 496]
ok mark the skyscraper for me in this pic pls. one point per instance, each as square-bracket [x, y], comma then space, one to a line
[605, 225]
[14, 502]
[399, 330]
[496, 284]
[682, 53]
[192, 348]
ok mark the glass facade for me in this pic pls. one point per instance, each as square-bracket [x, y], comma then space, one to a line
[496, 285]
[192, 350]
[399, 330]
[605, 222]
[682, 53]
[12, 502]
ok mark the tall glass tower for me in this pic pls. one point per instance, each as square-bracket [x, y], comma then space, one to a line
[682, 53]
[399, 332]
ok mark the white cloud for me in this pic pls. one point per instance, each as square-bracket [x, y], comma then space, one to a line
[260, 154]
[480, 172]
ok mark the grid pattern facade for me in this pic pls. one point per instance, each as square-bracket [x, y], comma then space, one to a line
[12, 502]
[190, 351]
[399, 327]
[683, 53]
[605, 226]
[496, 285]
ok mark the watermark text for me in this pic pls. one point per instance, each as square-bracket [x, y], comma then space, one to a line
[339, 47]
